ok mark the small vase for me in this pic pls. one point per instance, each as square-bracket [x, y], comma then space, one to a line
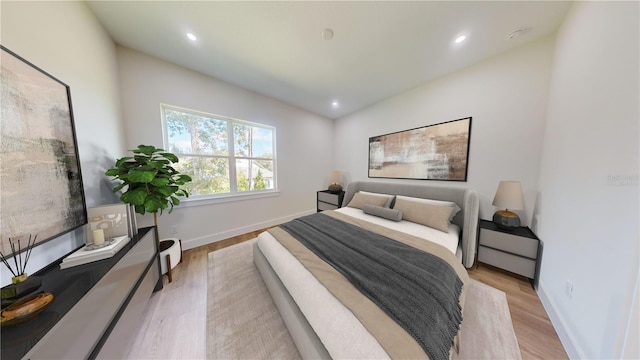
[20, 278]
[22, 285]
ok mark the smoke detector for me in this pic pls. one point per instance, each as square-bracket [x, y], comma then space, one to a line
[327, 34]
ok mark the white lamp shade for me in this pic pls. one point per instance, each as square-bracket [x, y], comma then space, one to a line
[335, 177]
[509, 196]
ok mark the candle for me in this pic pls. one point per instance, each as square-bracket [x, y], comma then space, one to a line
[98, 237]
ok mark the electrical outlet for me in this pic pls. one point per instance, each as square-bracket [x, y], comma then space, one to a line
[569, 289]
[174, 229]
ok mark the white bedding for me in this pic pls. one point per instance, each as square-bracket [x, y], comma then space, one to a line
[448, 240]
[342, 334]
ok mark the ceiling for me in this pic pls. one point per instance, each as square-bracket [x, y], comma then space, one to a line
[276, 48]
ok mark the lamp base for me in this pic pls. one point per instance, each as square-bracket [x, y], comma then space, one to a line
[506, 219]
[335, 188]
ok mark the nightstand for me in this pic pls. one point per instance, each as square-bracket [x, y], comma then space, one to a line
[329, 201]
[515, 251]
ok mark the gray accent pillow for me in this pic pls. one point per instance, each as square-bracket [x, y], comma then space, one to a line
[383, 212]
[360, 199]
[433, 216]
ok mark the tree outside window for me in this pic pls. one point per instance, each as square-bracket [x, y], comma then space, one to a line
[221, 154]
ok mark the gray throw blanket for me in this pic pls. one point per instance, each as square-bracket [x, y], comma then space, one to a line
[416, 289]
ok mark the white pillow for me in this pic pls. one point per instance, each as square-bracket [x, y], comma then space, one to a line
[452, 204]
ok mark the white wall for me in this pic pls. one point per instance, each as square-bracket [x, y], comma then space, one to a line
[304, 145]
[631, 346]
[65, 40]
[588, 211]
[507, 98]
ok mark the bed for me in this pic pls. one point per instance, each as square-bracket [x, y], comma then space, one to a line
[323, 315]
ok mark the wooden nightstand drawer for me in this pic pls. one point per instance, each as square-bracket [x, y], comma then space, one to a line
[511, 243]
[516, 264]
[329, 198]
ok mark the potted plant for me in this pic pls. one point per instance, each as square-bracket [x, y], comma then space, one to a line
[150, 184]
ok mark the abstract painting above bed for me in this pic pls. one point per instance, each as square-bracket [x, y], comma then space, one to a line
[433, 152]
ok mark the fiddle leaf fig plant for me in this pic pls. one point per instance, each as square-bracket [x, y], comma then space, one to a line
[149, 181]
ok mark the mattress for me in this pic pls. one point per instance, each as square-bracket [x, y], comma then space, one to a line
[342, 334]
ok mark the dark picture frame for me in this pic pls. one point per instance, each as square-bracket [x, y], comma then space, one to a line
[432, 152]
[40, 178]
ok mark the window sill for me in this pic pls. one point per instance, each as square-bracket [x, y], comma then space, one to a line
[209, 200]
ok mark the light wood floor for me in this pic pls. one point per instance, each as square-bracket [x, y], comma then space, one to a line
[536, 336]
[174, 322]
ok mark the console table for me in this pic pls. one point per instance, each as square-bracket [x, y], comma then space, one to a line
[96, 309]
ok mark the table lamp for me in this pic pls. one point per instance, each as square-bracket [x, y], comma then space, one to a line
[335, 178]
[508, 196]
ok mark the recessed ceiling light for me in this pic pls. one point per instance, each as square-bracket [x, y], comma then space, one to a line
[335, 104]
[192, 37]
[460, 39]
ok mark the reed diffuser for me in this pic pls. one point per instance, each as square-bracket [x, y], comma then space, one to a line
[21, 283]
[19, 274]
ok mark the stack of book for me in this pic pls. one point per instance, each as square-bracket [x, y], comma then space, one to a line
[87, 254]
[118, 225]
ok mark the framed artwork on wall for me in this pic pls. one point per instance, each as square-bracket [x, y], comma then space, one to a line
[40, 180]
[113, 219]
[432, 152]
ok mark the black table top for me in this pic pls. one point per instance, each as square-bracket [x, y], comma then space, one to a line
[68, 286]
[523, 231]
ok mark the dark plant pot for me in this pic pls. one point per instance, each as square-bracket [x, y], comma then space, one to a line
[165, 244]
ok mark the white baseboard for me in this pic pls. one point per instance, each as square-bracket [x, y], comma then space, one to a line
[204, 240]
[568, 339]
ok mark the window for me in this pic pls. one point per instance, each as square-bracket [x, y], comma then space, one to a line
[224, 156]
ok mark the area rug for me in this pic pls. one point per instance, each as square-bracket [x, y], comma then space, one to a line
[243, 322]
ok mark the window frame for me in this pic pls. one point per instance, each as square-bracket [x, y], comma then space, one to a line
[233, 194]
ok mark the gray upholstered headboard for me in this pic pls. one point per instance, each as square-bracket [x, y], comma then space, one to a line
[467, 199]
